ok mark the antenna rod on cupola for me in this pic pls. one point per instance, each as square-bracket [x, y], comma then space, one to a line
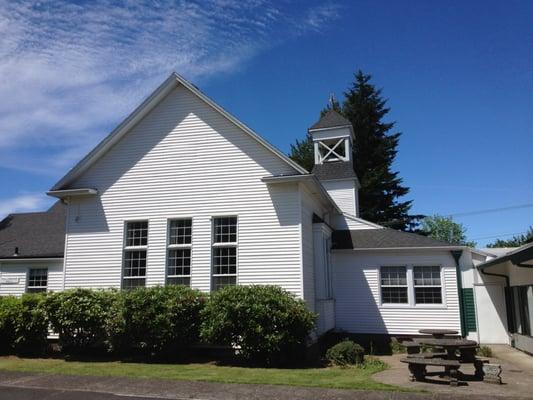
[331, 100]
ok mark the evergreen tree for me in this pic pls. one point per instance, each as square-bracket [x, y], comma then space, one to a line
[375, 149]
[303, 153]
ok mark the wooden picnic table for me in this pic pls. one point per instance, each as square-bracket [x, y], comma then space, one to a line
[447, 351]
[438, 333]
[466, 349]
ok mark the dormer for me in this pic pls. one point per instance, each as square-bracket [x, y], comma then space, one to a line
[333, 139]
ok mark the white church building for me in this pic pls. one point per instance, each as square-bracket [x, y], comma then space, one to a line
[181, 192]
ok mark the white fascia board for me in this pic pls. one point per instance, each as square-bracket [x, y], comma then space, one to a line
[62, 194]
[142, 110]
[28, 259]
[432, 248]
[334, 127]
[312, 183]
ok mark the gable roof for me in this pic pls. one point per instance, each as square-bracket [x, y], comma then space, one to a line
[334, 170]
[144, 108]
[384, 238]
[36, 235]
[331, 119]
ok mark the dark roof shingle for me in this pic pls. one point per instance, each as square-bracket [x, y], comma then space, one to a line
[381, 239]
[330, 119]
[334, 170]
[38, 234]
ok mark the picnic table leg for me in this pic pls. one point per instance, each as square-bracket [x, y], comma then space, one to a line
[453, 372]
[478, 364]
[417, 372]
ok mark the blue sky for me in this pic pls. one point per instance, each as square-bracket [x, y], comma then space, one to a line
[458, 76]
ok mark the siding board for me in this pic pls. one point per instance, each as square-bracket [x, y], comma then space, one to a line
[356, 284]
[184, 159]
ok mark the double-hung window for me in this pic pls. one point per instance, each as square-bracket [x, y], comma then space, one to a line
[135, 251]
[179, 252]
[394, 285]
[37, 280]
[411, 285]
[224, 265]
[427, 284]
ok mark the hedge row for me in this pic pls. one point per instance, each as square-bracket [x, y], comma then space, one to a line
[265, 323]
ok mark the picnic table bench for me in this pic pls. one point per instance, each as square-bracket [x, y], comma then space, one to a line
[417, 368]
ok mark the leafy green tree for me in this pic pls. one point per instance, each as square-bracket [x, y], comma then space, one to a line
[515, 241]
[445, 229]
[375, 149]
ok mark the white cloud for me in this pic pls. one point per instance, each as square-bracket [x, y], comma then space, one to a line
[23, 203]
[69, 71]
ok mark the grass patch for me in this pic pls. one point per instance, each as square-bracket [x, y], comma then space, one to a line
[332, 377]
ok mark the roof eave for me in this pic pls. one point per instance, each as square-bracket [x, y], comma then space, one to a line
[63, 194]
[516, 257]
[443, 248]
[32, 258]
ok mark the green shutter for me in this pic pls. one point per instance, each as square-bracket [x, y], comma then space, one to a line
[469, 309]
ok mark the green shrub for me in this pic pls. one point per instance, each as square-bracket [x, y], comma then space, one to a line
[8, 308]
[373, 363]
[155, 320]
[345, 353]
[396, 347]
[79, 317]
[484, 351]
[30, 325]
[266, 323]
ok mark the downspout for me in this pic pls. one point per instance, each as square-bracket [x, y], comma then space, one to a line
[509, 301]
[456, 254]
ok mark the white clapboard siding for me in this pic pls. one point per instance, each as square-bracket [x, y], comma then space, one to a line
[357, 293]
[343, 193]
[16, 273]
[184, 159]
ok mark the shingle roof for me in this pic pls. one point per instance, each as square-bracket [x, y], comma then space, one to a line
[330, 119]
[39, 234]
[334, 170]
[381, 239]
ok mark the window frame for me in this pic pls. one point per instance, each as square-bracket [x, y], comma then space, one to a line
[220, 245]
[36, 289]
[381, 286]
[178, 246]
[415, 286]
[126, 249]
[411, 298]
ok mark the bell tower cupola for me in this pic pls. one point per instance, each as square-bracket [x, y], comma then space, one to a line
[332, 138]
[333, 141]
